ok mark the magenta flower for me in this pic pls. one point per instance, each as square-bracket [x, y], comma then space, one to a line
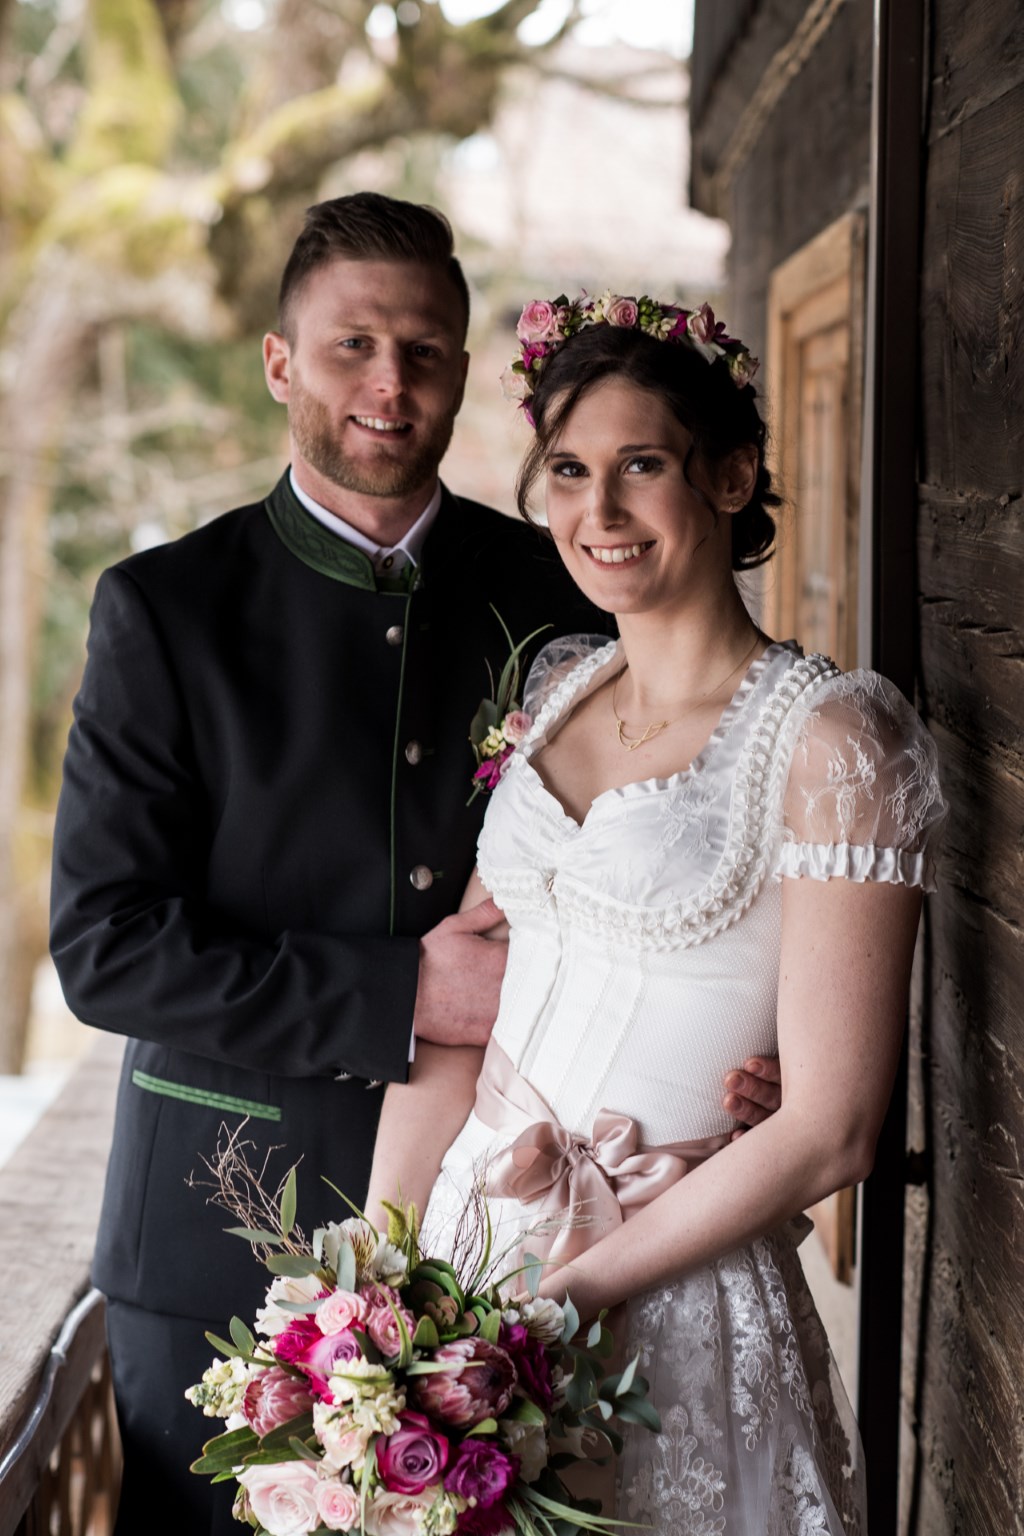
[274, 1397]
[413, 1457]
[533, 1367]
[482, 1472]
[479, 1390]
[315, 1353]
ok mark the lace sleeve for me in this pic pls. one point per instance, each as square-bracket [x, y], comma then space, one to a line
[553, 665]
[863, 800]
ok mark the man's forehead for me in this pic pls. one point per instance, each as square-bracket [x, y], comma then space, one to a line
[386, 294]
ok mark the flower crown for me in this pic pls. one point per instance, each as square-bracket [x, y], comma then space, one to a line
[545, 327]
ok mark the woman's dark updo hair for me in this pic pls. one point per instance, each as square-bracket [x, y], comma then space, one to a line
[719, 415]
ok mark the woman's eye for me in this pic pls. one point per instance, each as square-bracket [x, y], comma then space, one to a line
[568, 469]
[643, 464]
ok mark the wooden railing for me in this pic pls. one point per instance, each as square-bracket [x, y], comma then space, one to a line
[59, 1456]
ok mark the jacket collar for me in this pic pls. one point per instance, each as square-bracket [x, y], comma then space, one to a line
[327, 552]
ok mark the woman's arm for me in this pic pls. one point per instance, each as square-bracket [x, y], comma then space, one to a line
[844, 974]
[421, 1118]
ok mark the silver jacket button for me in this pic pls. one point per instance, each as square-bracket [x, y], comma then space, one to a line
[413, 752]
[394, 635]
[421, 877]
[343, 1077]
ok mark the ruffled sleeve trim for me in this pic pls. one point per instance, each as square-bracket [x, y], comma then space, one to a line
[859, 862]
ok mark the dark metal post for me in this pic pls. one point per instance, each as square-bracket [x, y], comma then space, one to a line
[888, 629]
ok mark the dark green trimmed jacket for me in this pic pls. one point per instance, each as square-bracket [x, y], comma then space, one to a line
[264, 806]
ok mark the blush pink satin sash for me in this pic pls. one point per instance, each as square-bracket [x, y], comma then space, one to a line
[585, 1185]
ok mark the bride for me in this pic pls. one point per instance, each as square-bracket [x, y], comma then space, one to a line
[708, 846]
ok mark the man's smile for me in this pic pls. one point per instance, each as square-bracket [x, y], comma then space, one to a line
[382, 424]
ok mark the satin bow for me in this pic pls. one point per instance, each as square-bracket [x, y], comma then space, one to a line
[594, 1183]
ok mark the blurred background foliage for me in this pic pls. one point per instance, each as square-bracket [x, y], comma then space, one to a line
[155, 160]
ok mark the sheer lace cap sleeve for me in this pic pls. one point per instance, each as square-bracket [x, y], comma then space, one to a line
[554, 663]
[862, 800]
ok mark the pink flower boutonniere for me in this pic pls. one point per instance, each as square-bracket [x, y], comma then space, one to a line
[500, 723]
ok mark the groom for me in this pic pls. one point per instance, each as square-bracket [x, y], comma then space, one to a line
[263, 830]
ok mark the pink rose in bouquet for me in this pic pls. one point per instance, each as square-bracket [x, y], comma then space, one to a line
[413, 1457]
[538, 322]
[283, 1496]
[381, 1323]
[339, 1311]
[466, 1396]
[395, 1514]
[273, 1398]
[337, 1505]
[621, 312]
[481, 1472]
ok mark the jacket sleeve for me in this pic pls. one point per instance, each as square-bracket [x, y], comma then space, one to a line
[137, 948]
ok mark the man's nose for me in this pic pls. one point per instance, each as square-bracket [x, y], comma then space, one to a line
[389, 372]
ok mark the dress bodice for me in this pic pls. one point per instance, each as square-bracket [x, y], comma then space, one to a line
[644, 946]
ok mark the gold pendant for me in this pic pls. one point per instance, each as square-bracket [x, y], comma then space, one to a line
[631, 746]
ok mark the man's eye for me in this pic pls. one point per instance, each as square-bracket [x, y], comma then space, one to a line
[353, 343]
[424, 349]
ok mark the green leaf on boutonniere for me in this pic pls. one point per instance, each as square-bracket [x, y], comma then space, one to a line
[288, 1202]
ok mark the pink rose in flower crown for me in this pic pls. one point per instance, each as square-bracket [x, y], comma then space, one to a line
[274, 1397]
[381, 1323]
[339, 1311]
[283, 1496]
[515, 726]
[396, 1514]
[538, 321]
[701, 324]
[742, 367]
[413, 1457]
[514, 385]
[481, 1472]
[465, 1397]
[337, 1505]
[621, 312]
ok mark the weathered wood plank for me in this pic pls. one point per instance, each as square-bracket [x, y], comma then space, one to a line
[983, 840]
[978, 56]
[972, 310]
[50, 1194]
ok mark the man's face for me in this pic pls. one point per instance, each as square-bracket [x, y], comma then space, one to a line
[373, 373]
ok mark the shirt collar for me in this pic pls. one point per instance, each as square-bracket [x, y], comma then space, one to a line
[409, 547]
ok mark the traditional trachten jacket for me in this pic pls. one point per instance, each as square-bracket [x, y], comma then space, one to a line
[264, 807]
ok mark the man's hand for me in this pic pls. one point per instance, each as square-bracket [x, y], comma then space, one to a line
[460, 978]
[755, 1093]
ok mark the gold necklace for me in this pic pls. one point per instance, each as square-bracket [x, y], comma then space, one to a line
[660, 725]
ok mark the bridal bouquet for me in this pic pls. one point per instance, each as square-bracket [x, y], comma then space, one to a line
[384, 1391]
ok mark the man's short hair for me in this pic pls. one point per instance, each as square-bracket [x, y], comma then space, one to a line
[367, 226]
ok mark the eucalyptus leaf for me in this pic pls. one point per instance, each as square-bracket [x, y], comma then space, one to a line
[256, 1235]
[222, 1346]
[626, 1379]
[294, 1265]
[485, 1427]
[525, 1412]
[638, 1411]
[288, 1202]
[531, 1273]
[572, 1320]
[346, 1267]
[242, 1337]
[594, 1336]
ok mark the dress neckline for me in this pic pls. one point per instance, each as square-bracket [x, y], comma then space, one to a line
[582, 680]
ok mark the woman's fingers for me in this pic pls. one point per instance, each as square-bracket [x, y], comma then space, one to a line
[755, 1092]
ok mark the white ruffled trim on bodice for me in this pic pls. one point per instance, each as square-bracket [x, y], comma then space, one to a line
[743, 865]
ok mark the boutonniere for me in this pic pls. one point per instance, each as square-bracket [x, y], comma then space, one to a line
[500, 722]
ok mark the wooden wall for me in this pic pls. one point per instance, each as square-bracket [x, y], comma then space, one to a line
[962, 1471]
[964, 1393]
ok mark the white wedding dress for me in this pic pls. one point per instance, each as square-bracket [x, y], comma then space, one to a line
[643, 965]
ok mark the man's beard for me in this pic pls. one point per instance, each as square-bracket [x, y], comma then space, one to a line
[317, 441]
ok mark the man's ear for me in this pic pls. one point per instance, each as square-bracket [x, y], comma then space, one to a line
[277, 359]
[735, 478]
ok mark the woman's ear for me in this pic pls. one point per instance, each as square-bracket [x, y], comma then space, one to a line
[735, 478]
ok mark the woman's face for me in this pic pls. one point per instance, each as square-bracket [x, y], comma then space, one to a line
[635, 534]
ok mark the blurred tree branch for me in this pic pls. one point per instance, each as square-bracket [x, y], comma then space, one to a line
[109, 213]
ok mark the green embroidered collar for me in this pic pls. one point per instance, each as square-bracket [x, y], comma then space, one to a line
[316, 546]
